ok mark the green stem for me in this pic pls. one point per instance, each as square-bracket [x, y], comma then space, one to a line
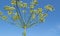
[24, 33]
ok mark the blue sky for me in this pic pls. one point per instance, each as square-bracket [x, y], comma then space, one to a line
[51, 27]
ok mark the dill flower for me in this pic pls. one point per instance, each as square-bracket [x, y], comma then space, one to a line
[49, 8]
[39, 10]
[13, 2]
[9, 8]
[10, 12]
[4, 17]
[16, 17]
[0, 13]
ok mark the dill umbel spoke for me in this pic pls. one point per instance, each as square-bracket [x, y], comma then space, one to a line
[15, 24]
[29, 18]
[33, 24]
[17, 8]
[19, 18]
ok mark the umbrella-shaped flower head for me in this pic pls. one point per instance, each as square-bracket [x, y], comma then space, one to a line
[0, 13]
[49, 8]
[4, 17]
[10, 12]
[16, 17]
[9, 8]
[39, 10]
[13, 2]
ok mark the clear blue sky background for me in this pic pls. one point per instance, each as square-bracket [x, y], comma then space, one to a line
[51, 27]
